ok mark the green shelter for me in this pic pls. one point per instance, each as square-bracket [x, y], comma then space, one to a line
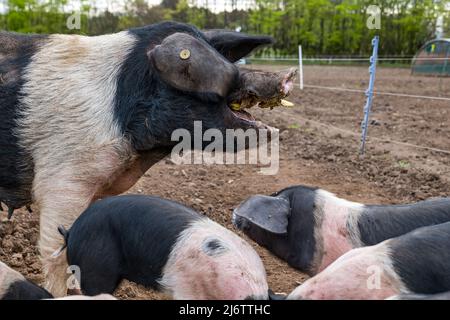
[433, 58]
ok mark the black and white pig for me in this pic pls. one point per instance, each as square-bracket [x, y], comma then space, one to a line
[415, 263]
[14, 286]
[310, 228]
[85, 117]
[163, 245]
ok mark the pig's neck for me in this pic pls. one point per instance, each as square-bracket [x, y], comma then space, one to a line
[338, 228]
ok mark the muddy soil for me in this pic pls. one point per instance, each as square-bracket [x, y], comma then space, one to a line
[319, 144]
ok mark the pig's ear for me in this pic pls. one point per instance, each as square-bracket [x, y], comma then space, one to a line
[269, 213]
[190, 64]
[234, 45]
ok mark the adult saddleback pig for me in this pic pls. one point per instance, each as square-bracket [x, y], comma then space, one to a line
[415, 263]
[164, 245]
[310, 227]
[85, 117]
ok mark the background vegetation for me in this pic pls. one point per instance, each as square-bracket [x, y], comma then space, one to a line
[321, 26]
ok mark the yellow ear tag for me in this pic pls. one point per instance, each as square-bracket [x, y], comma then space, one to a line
[185, 54]
[235, 106]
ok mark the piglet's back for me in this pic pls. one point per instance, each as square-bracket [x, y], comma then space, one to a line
[126, 234]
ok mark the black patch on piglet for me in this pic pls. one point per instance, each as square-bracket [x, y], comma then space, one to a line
[213, 247]
[381, 222]
[422, 259]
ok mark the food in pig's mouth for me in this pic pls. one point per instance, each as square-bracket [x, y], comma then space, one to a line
[261, 89]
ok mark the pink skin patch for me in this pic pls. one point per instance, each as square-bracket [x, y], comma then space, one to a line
[334, 233]
[363, 273]
[192, 273]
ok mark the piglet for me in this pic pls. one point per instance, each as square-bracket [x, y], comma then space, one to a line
[163, 245]
[14, 286]
[415, 263]
[310, 228]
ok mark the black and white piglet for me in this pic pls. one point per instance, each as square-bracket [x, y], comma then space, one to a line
[310, 228]
[415, 263]
[14, 286]
[164, 245]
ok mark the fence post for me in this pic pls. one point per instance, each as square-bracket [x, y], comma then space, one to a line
[300, 66]
[369, 93]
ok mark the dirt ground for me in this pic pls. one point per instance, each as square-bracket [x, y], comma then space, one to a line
[311, 152]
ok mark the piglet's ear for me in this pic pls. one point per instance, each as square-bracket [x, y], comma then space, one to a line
[268, 213]
[235, 45]
[192, 65]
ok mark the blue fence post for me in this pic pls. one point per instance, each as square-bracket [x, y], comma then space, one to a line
[369, 93]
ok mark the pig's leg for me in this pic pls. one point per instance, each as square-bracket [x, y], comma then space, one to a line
[62, 191]
[64, 194]
[59, 207]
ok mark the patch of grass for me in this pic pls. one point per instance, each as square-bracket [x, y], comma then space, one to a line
[294, 126]
[403, 164]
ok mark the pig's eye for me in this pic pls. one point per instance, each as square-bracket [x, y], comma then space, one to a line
[213, 246]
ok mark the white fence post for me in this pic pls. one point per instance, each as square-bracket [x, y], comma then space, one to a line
[300, 66]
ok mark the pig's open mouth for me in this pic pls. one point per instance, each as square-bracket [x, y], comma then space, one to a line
[243, 115]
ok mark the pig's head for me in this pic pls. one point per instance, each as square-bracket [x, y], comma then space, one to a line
[211, 262]
[177, 75]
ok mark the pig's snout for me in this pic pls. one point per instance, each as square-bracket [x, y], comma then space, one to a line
[287, 82]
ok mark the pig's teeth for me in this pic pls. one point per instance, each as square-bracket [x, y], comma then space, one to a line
[286, 103]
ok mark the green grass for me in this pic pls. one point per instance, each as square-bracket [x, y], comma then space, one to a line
[403, 164]
[294, 126]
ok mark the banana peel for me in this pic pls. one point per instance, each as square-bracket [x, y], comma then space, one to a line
[236, 106]
[286, 103]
